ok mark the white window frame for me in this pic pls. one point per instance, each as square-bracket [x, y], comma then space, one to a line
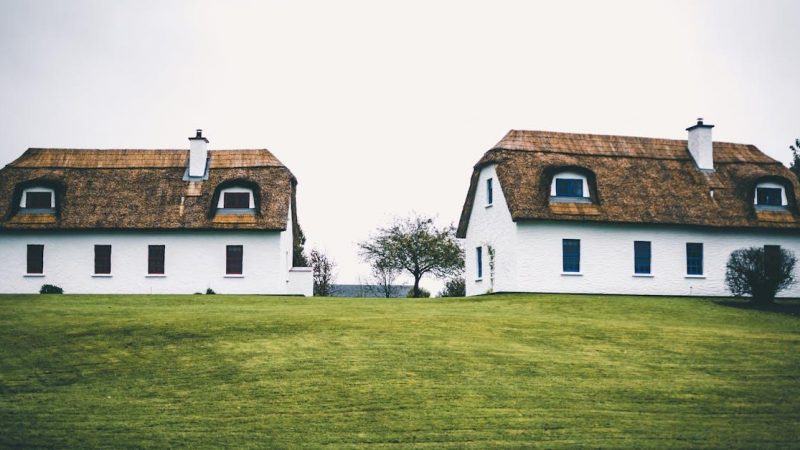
[235, 189]
[770, 185]
[570, 175]
[489, 188]
[23, 201]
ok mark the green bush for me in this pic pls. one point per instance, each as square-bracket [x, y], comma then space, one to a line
[454, 287]
[210, 291]
[423, 293]
[50, 289]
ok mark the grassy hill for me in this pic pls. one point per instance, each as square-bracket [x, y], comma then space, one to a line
[499, 371]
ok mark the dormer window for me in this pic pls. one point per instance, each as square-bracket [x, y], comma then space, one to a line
[770, 195]
[38, 199]
[236, 199]
[569, 186]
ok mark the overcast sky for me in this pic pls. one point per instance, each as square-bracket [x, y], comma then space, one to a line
[381, 108]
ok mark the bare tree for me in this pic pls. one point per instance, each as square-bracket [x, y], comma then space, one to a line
[795, 166]
[322, 269]
[417, 246]
[383, 276]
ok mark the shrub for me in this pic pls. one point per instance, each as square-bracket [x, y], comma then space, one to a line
[760, 272]
[50, 289]
[454, 287]
[423, 293]
[210, 291]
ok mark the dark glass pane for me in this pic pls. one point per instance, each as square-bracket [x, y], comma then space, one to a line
[38, 200]
[102, 259]
[479, 261]
[769, 196]
[489, 193]
[35, 259]
[694, 259]
[233, 260]
[568, 187]
[238, 200]
[155, 259]
[571, 255]
[641, 256]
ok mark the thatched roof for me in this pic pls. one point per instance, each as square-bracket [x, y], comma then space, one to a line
[635, 180]
[143, 189]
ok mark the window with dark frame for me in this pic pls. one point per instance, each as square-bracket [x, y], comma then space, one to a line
[102, 259]
[35, 258]
[694, 258]
[233, 260]
[155, 259]
[479, 262]
[641, 257]
[569, 187]
[571, 249]
[236, 200]
[769, 196]
[38, 200]
[489, 193]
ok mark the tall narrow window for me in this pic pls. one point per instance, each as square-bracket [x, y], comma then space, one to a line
[155, 259]
[479, 262]
[694, 258]
[772, 260]
[238, 200]
[569, 187]
[641, 257]
[571, 255]
[102, 259]
[233, 260]
[35, 259]
[38, 200]
[489, 193]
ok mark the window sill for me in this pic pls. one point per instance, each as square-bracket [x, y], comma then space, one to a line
[571, 274]
[489, 205]
[102, 275]
[478, 280]
[234, 275]
[643, 275]
[700, 277]
[33, 275]
[156, 275]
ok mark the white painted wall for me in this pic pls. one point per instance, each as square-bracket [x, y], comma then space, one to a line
[701, 146]
[194, 261]
[529, 254]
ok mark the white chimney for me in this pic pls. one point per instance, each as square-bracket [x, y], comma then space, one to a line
[701, 145]
[198, 154]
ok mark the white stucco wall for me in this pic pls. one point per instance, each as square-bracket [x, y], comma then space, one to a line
[194, 261]
[529, 254]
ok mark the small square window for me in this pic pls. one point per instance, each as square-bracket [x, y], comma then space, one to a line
[237, 200]
[38, 200]
[569, 187]
[769, 196]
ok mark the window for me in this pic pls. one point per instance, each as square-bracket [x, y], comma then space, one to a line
[772, 260]
[155, 259]
[233, 260]
[569, 187]
[479, 262]
[102, 259]
[641, 257]
[571, 255]
[694, 258]
[35, 259]
[769, 196]
[238, 200]
[489, 193]
[38, 200]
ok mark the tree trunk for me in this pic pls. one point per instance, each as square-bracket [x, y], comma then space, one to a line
[416, 286]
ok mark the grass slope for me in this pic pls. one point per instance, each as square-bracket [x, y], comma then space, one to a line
[500, 371]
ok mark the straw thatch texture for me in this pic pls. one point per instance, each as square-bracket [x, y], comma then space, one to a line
[144, 189]
[634, 180]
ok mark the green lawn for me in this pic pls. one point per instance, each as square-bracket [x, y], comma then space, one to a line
[498, 371]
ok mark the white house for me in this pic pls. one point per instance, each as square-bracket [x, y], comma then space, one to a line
[580, 213]
[150, 221]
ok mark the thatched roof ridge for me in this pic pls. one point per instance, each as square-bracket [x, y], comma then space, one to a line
[144, 189]
[637, 180]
